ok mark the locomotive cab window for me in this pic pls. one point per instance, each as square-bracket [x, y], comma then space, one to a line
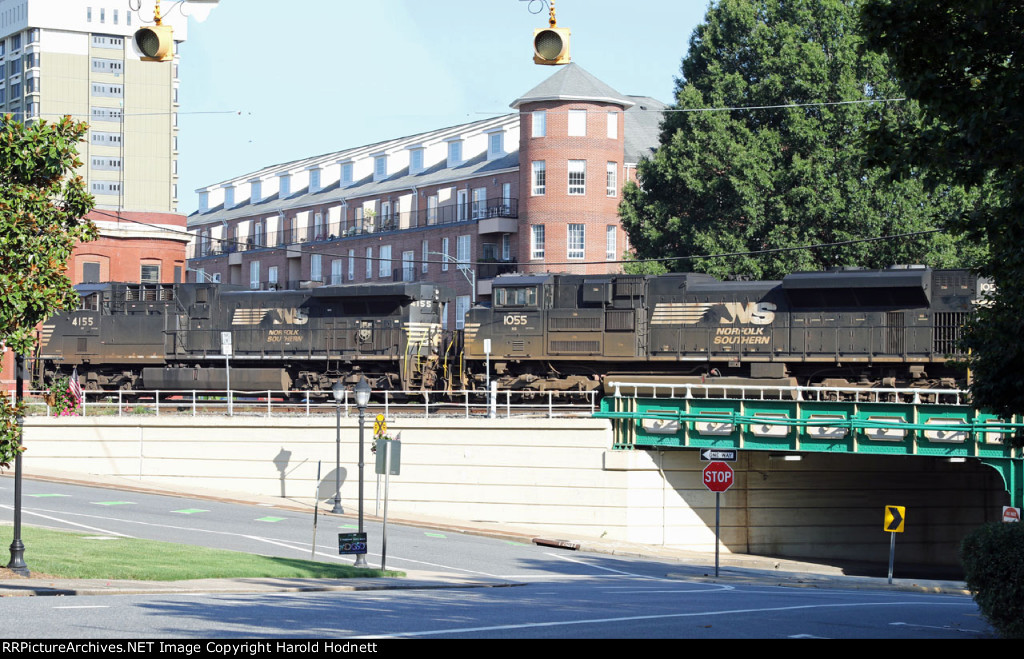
[515, 297]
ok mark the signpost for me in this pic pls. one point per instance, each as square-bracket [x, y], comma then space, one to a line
[1011, 514]
[225, 349]
[389, 457]
[718, 477]
[895, 516]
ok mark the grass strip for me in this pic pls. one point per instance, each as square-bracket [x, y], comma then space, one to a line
[67, 555]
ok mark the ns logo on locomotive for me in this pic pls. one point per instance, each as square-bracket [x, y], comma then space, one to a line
[857, 328]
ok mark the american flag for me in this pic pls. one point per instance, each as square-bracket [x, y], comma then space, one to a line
[74, 388]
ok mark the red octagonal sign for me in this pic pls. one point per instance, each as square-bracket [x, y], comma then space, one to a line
[718, 476]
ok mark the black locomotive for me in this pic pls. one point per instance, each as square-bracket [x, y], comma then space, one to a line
[896, 327]
[197, 336]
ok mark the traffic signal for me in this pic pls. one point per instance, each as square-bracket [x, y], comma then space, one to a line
[156, 43]
[551, 46]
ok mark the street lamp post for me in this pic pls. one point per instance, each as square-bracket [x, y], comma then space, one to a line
[362, 398]
[339, 394]
[467, 272]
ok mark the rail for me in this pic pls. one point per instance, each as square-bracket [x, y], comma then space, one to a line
[468, 404]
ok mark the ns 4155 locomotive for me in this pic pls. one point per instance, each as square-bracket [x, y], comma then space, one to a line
[187, 336]
[852, 328]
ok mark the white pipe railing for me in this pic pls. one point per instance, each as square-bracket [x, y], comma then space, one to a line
[763, 392]
[199, 402]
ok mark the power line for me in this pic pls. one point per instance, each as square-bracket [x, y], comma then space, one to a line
[668, 259]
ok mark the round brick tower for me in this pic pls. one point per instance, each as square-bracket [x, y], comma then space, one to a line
[571, 158]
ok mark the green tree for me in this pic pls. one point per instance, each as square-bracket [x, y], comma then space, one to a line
[785, 166]
[962, 61]
[42, 209]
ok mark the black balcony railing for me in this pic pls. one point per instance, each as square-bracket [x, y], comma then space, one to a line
[448, 214]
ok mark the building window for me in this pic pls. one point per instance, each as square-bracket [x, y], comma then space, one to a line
[577, 177]
[537, 241]
[316, 267]
[90, 272]
[408, 265]
[495, 145]
[461, 307]
[384, 269]
[444, 257]
[337, 267]
[432, 209]
[255, 191]
[254, 275]
[462, 252]
[346, 173]
[538, 185]
[611, 184]
[506, 247]
[272, 276]
[540, 124]
[576, 241]
[351, 264]
[285, 186]
[380, 168]
[613, 125]
[479, 203]
[416, 161]
[229, 197]
[369, 263]
[609, 242]
[314, 180]
[149, 273]
[454, 153]
[425, 266]
[577, 123]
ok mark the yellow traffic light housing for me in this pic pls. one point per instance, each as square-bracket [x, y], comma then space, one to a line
[551, 44]
[157, 42]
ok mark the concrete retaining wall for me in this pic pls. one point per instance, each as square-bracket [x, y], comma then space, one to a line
[557, 476]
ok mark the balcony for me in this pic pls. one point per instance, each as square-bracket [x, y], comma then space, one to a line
[492, 215]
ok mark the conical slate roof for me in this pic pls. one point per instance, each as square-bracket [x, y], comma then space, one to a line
[572, 83]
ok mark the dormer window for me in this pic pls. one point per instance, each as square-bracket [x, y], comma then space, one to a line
[346, 173]
[314, 180]
[495, 145]
[285, 186]
[415, 161]
[454, 153]
[380, 168]
[229, 196]
[204, 201]
[255, 191]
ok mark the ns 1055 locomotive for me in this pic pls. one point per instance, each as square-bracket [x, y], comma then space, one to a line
[843, 328]
[179, 336]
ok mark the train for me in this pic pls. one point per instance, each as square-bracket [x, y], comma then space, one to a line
[853, 328]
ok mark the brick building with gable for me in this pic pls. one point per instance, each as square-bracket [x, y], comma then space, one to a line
[534, 191]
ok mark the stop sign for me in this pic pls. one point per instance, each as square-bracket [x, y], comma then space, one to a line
[718, 476]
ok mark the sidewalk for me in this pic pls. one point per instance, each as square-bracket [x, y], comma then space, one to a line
[689, 565]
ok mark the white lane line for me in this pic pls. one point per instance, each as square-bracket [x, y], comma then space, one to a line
[608, 569]
[64, 521]
[92, 606]
[664, 616]
[945, 628]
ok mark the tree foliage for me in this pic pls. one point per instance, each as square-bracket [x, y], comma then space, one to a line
[962, 62]
[784, 167]
[42, 209]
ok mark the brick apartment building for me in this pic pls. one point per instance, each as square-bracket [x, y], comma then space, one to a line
[534, 191]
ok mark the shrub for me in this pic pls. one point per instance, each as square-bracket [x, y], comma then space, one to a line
[993, 560]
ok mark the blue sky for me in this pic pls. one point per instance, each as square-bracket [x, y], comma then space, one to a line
[265, 81]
